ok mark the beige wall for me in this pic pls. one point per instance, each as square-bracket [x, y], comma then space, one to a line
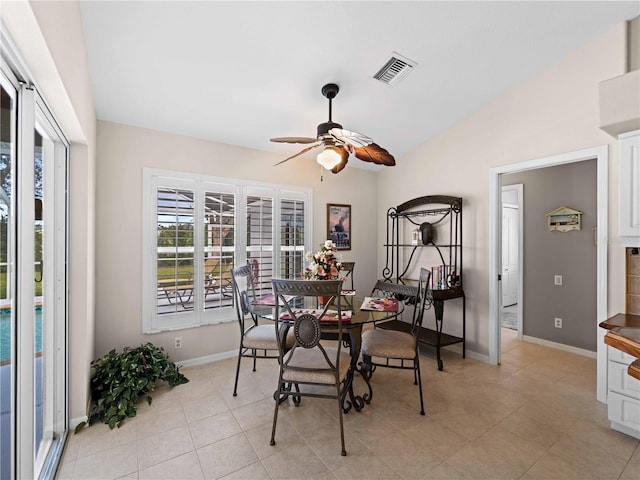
[50, 38]
[123, 152]
[554, 112]
[570, 254]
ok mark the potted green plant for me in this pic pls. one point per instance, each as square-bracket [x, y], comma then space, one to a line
[119, 379]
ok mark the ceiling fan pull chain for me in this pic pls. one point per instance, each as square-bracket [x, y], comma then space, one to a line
[321, 179]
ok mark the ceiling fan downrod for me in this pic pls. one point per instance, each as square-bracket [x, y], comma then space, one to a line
[330, 90]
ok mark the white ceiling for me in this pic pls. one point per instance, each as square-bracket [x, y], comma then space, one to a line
[243, 72]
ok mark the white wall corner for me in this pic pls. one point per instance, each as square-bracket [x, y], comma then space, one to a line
[620, 103]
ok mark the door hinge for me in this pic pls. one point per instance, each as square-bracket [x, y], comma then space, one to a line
[499, 277]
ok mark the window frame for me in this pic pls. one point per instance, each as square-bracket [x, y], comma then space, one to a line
[153, 179]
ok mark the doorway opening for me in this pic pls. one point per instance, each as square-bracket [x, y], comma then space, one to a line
[512, 260]
[600, 154]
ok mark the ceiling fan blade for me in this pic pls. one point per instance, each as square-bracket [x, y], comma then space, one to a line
[294, 140]
[304, 150]
[343, 163]
[376, 154]
[352, 138]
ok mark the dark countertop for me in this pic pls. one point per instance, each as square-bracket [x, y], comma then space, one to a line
[624, 334]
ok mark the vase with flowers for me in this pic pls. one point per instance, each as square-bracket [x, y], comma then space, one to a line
[323, 265]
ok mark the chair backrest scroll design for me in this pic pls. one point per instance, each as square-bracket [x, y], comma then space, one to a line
[307, 326]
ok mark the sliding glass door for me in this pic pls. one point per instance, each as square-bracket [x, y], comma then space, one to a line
[8, 122]
[33, 287]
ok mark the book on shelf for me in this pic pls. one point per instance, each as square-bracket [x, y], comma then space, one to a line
[443, 277]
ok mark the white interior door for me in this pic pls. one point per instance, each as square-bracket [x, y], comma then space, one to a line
[510, 273]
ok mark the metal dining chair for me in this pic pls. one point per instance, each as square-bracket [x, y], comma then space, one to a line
[383, 347]
[309, 362]
[254, 338]
[347, 269]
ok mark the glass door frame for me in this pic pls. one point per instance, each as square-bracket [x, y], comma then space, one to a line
[55, 291]
[32, 114]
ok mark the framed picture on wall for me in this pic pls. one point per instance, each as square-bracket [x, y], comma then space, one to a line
[339, 225]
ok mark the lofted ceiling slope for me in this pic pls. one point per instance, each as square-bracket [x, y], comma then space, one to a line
[243, 72]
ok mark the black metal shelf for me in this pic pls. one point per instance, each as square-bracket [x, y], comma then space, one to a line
[432, 245]
[426, 336]
[448, 211]
[447, 293]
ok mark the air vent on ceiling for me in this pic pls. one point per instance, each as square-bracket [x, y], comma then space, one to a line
[394, 69]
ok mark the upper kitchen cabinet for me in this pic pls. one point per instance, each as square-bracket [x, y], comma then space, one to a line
[629, 165]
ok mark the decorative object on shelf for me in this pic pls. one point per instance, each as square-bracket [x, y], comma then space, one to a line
[443, 277]
[564, 219]
[339, 225]
[324, 264]
[415, 236]
[427, 233]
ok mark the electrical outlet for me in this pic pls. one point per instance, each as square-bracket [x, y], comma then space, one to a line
[558, 322]
[557, 280]
[177, 342]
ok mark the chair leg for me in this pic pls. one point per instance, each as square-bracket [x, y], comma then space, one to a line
[254, 359]
[276, 396]
[235, 386]
[340, 397]
[417, 369]
[296, 398]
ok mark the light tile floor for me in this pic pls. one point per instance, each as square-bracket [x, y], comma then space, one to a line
[533, 417]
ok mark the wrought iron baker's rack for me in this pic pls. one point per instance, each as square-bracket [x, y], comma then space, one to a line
[443, 209]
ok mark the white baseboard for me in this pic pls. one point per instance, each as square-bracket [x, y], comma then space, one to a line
[559, 346]
[74, 422]
[207, 359]
[457, 348]
[469, 353]
[476, 356]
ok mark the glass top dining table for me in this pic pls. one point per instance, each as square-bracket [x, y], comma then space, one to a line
[356, 312]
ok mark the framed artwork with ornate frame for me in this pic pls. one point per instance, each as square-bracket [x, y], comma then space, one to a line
[339, 225]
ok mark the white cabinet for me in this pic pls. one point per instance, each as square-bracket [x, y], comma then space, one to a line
[629, 184]
[623, 399]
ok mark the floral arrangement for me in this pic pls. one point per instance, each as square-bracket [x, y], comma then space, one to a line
[324, 265]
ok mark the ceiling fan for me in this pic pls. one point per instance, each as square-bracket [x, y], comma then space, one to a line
[337, 144]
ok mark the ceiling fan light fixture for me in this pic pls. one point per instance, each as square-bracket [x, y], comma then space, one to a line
[329, 157]
[338, 144]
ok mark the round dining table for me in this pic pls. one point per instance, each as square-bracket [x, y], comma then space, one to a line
[364, 311]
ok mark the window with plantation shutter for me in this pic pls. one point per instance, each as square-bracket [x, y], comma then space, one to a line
[198, 228]
[175, 247]
[260, 240]
[292, 234]
[219, 249]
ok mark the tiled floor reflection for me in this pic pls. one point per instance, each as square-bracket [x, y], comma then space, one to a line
[533, 417]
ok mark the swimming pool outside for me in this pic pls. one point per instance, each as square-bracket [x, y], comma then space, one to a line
[5, 334]
[5, 386]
